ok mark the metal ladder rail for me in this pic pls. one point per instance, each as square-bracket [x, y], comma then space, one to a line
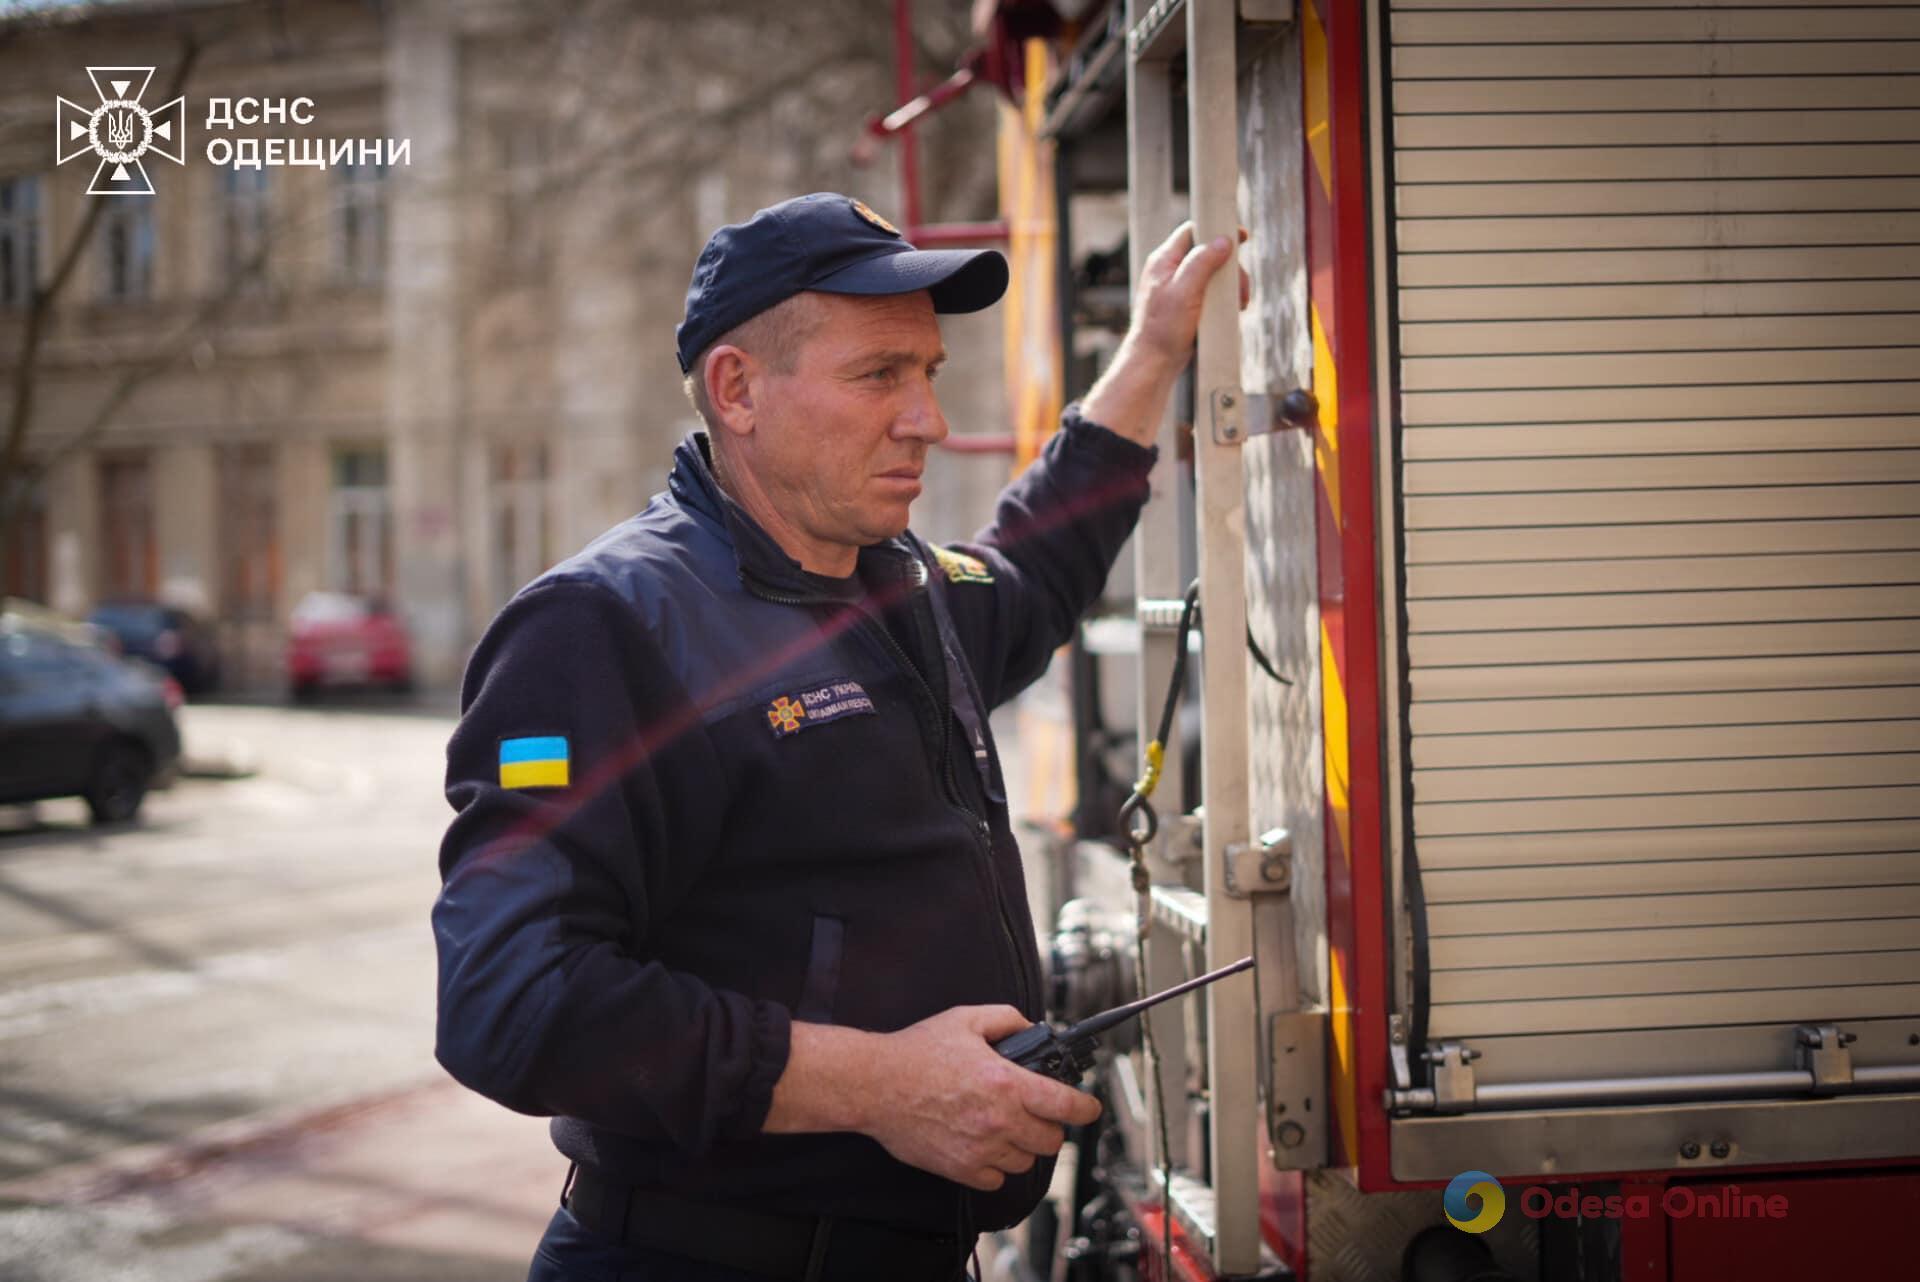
[1153, 209]
[1223, 1211]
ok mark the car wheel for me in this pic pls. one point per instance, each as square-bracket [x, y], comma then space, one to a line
[118, 785]
[304, 691]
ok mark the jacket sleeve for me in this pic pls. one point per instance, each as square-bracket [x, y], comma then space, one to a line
[548, 1001]
[1054, 537]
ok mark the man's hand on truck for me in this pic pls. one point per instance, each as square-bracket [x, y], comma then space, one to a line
[1131, 395]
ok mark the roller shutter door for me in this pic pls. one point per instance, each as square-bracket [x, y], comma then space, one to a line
[1656, 279]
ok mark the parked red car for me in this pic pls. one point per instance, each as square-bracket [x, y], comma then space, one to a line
[337, 640]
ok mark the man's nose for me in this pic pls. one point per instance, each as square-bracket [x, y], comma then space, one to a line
[922, 420]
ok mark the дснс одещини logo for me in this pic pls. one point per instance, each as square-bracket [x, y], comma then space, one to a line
[120, 131]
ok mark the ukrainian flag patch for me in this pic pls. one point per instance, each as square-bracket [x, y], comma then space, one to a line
[537, 762]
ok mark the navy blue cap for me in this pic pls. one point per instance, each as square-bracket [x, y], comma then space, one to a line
[831, 243]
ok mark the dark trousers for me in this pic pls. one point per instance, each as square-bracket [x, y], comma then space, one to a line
[570, 1253]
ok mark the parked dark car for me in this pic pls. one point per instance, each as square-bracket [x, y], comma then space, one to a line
[338, 639]
[78, 721]
[165, 635]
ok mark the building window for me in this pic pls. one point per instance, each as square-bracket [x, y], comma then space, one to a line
[518, 498]
[23, 572]
[361, 246]
[126, 241]
[246, 207]
[359, 524]
[129, 561]
[19, 240]
[249, 537]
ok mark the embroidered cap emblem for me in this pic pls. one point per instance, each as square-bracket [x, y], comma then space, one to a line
[865, 210]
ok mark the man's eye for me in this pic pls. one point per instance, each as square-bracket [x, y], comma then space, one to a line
[882, 375]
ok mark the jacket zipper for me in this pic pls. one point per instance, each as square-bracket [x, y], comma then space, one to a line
[983, 832]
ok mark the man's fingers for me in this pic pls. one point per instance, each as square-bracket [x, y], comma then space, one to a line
[1199, 266]
[1058, 1102]
[1042, 1139]
[996, 1022]
[986, 1179]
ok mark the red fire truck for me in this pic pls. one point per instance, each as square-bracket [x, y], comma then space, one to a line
[1565, 474]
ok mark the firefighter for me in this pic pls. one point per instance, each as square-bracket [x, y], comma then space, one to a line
[731, 892]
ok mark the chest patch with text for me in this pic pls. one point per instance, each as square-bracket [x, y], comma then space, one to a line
[792, 713]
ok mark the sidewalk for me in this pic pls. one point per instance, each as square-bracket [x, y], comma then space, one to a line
[426, 1183]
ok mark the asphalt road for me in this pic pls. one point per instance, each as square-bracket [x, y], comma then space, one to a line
[216, 1026]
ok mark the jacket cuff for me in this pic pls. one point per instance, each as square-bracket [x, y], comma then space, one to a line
[1105, 444]
[769, 1043]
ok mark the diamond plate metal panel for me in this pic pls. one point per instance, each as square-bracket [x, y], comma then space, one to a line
[1360, 1237]
[1287, 757]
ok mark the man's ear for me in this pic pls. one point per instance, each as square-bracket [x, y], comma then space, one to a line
[730, 375]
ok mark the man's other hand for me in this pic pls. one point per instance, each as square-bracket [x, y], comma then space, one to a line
[945, 1101]
[1131, 395]
[935, 1095]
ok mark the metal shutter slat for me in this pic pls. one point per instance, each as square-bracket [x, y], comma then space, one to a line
[1649, 61]
[1681, 93]
[1668, 574]
[1642, 369]
[1536, 983]
[1783, 1006]
[1780, 939]
[1641, 26]
[1685, 471]
[1659, 301]
[1682, 876]
[1682, 743]
[1466, 722]
[1731, 538]
[1610, 199]
[1631, 508]
[1656, 128]
[1643, 912]
[1691, 334]
[1695, 436]
[1679, 676]
[1640, 779]
[1717, 810]
[1705, 843]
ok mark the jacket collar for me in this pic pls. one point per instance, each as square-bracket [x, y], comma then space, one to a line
[763, 563]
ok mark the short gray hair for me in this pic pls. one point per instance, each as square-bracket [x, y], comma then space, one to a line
[775, 335]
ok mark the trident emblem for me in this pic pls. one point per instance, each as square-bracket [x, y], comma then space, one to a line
[120, 131]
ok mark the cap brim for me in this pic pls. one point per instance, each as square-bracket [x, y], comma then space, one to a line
[959, 280]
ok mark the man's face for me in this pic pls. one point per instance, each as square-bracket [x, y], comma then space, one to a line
[840, 442]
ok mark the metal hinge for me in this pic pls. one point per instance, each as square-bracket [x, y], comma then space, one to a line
[1824, 1053]
[1453, 1085]
[1265, 867]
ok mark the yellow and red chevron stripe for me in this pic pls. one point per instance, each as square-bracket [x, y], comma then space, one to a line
[1333, 58]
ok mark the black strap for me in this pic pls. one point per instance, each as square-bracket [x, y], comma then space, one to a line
[805, 1248]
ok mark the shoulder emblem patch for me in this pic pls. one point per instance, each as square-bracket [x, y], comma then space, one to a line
[792, 713]
[961, 568]
[540, 761]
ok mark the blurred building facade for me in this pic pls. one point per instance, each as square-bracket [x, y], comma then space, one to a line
[425, 381]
